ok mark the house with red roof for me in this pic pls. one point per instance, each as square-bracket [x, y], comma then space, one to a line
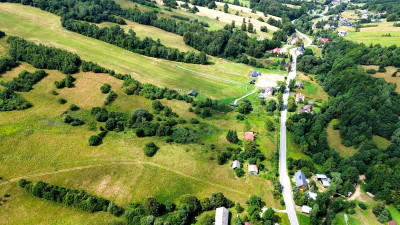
[249, 135]
[323, 40]
[300, 96]
[276, 50]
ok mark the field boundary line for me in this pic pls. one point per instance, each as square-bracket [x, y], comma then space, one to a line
[203, 74]
[120, 163]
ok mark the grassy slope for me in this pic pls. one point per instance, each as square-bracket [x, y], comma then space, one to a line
[174, 171]
[334, 141]
[311, 88]
[21, 20]
[373, 35]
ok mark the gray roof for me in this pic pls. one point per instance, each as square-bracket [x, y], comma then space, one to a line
[300, 179]
[255, 73]
[193, 92]
[321, 176]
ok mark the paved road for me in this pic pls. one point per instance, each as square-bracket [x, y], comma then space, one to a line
[283, 175]
[322, 15]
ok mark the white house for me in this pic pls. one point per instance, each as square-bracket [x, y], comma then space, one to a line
[221, 216]
[300, 96]
[306, 209]
[235, 164]
[312, 195]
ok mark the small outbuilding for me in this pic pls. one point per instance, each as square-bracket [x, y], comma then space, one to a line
[235, 164]
[298, 85]
[311, 195]
[324, 180]
[301, 180]
[192, 93]
[221, 216]
[300, 96]
[255, 73]
[249, 135]
[306, 209]
[253, 169]
[392, 222]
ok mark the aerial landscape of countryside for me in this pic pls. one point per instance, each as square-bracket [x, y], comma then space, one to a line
[165, 112]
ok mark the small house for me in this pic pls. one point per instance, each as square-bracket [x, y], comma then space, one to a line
[253, 81]
[249, 135]
[392, 222]
[301, 50]
[294, 40]
[311, 195]
[300, 96]
[192, 93]
[300, 111]
[306, 209]
[324, 180]
[294, 35]
[307, 108]
[298, 85]
[301, 180]
[247, 223]
[342, 33]
[276, 50]
[255, 73]
[253, 169]
[323, 40]
[233, 105]
[235, 164]
[221, 216]
[269, 91]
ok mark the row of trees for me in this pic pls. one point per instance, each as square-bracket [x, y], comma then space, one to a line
[116, 35]
[79, 199]
[43, 57]
[25, 81]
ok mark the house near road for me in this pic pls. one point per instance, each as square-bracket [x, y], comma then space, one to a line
[300, 96]
[249, 135]
[326, 182]
[192, 93]
[266, 92]
[306, 209]
[235, 164]
[301, 180]
[255, 73]
[253, 169]
[311, 195]
[298, 85]
[221, 216]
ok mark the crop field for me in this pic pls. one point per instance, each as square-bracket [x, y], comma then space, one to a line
[22, 20]
[375, 35]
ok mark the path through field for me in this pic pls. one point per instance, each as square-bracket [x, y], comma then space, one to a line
[235, 102]
[119, 163]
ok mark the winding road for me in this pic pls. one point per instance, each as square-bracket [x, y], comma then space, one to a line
[283, 175]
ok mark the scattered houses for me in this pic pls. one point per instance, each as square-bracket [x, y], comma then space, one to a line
[235, 164]
[255, 73]
[253, 169]
[249, 135]
[306, 209]
[221, 216]
[301, 181]
[324, 180]
[300, 96]
[192, 93]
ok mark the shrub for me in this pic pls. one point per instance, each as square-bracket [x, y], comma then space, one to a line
[239, 172]
[152, 207]
[73, 107]
[194, 121]
[232, 136]
[150, 149]
[110, 98]
[67, 119]
[92, 125]
[62, 101]
[105, 88]
[382, 70]
[239, 208]
[77, 122]
[94, 140]
[240, 117]
[371, 71]
[22, 182]
[54, 92]
[362, 206]
[190, 109]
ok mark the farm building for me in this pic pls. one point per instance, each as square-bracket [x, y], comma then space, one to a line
[235, 164]
[192, 93]
[324, 180]
[253, 169]
[301, 180]
[306, 209]
[249, 135]
[221, 216]
[255, 73]
[300, 96]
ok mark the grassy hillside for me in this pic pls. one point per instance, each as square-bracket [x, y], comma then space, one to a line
[21, 20]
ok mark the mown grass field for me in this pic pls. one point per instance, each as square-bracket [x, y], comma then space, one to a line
[374, 35]
[311, 88]
[334, 141]
[39, 26]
